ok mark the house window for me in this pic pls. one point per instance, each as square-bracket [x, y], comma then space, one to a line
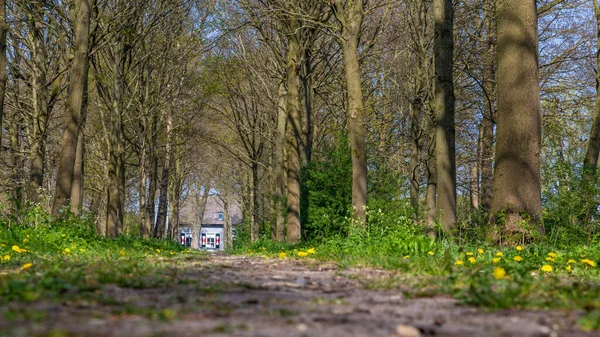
[220, 216]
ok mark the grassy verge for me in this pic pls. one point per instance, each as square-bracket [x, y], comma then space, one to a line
[43, 258]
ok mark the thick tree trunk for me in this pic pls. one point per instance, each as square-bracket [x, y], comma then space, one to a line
[79, 166]
[350, 19]
[152, 175]
[489, 112]
[444, 110]
[280, 167]
[517, 191]
[116, 164]
[161, 217]
[37, 154]
[3, 72]
[294, 130]
[74, 111]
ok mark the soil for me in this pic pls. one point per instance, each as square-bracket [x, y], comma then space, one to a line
[225, 295]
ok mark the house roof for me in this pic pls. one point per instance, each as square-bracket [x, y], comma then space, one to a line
[190, 211]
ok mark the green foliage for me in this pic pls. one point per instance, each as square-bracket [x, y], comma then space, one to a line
[328, 181]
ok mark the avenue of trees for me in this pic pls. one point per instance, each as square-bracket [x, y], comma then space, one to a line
[468, 116]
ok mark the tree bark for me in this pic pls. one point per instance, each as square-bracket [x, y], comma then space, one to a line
[201, 204]
[444, 110]
[590, 163]
[430, 196]
[37, 155]
[416, 110]
[280, 167]
[294, 130]
[489, 112]
[227, 228]
[474, 188]
[3, 71]
[161, 217]
[517, 188]
[116, 164]
[74, 111]
[351, 19]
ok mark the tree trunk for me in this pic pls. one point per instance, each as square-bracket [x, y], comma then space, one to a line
[294, 130]
[517, 191]
[227, 230]
[142, 190]
[116, 164]
[161, 218]
[74, 111]
[175, 197]
[416, 110]
[17, 163]
[37, 155]
[444, 110]
[430, 196]
[201, 204]
[152, 166]
[280, 178]
[487, 122]
[350, 19]
[590, 162]
[3, 72]
[307, 100]
[78, 174]
[474, 182]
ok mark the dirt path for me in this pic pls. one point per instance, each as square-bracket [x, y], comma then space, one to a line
[249, 296]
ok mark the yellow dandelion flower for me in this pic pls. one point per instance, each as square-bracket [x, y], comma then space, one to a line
[499, 273]
[6, 257]
[569, 268]
[67, 250]
[282, 255]
[63, 235]
[472, 259]
[547, 268]
[17, 249]
[469, 253]
[551, 259]
[518, 258]
[458, 263]
[263, 248]
[571, 261]
[552, 254]
[311, 251]
[26, 265]
[589, 262]
[302, 254]
[158, 250]
[406, 257]
[519, 248]
[25, 240]
[430, 253]
[480, 251]
[500, 254]
[496, 259]
[81, 250]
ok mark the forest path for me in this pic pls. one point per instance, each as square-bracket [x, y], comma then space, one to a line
[224, 295]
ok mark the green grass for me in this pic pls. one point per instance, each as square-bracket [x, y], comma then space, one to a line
[46, 258]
